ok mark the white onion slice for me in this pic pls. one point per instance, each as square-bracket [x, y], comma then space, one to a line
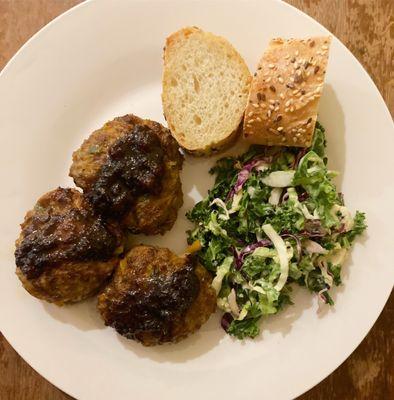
[280, 246]
[279, 179]
[232, 302]
[275, 196]
[314, 247]
[235, 204]
[220, 203]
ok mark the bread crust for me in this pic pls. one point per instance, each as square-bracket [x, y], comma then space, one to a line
[285, 92]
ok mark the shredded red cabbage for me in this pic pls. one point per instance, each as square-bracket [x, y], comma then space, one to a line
[251, 247]
[298, 157]
[303, 196]
[243, 175]
[226, 321]
[284, 197]
[239, 256]
[313, 229]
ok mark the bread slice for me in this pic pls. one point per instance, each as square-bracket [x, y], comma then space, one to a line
[285, 92]
[205, 90]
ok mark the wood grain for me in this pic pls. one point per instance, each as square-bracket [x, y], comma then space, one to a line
[366, 27]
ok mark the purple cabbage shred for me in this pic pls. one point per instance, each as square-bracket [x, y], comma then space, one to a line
[227, 318]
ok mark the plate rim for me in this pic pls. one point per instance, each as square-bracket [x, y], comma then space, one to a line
[88, 3]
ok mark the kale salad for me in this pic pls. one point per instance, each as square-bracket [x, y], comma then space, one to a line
[273, 218]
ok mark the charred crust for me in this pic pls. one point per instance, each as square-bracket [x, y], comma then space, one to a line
[134, 167]
[151, 305]
[62, 227]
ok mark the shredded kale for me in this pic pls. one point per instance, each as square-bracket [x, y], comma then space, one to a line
[309, 216]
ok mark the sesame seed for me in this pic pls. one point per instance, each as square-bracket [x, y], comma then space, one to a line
[291, 109]
[297, 94]
[302, 91]
[272, 88]
[320, 78]
[294, 139]
[250, 114]
[258, 119]
[290, 86]
[287, 56]
[276, 108]
[281, 95]
[280, 128]
[272, 107]
[255, 105]
[297, 53]
[298, 134]
[262, 105]
[251, 121]
[268, 113]
[268, 79]
[316, 70]
[302, 99]
[286, 110]
[283, 139]
[271, 66]
[307, 64]
[296, 91]
[280, 80]
[272, 101]
[324, 47]
[259, 68]
[308, 125]
[288, 102]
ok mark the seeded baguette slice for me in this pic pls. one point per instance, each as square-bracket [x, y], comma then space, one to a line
[285, 92]
[205, 90]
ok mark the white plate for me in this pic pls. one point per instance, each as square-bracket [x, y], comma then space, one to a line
[103, 59]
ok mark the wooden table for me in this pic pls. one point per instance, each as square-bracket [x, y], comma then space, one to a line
[367, 29]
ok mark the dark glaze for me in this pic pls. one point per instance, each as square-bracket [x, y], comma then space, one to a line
[153, 305]
[52, 237]
[135, 166]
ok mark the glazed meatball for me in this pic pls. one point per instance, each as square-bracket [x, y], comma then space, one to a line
[65, 252]
[156, 296]
[129, 170]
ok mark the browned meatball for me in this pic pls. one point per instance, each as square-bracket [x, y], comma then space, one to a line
[156, 296]
[129, 170]
[65, 253]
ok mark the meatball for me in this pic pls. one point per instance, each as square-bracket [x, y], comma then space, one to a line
[156, 296]
[129, 170]
[65, 252]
